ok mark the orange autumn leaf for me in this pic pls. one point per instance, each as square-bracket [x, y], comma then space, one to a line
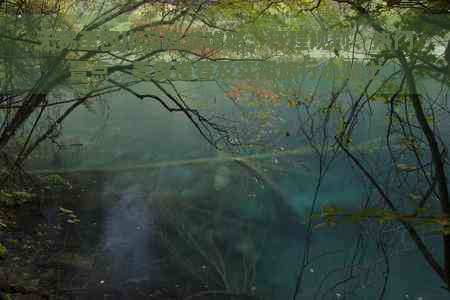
[250, 87]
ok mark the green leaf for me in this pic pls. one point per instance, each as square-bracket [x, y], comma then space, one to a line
[293, 103]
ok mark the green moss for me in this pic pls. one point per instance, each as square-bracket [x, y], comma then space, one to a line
[3, 251]
[55, 179]
[13, 198]
[14, 242]
[6, 297]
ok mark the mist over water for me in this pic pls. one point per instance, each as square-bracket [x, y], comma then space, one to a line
[127, 235]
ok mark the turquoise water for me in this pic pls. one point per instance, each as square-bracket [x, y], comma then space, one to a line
[132, 132]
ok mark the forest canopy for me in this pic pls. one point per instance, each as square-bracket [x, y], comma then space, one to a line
[272, 87]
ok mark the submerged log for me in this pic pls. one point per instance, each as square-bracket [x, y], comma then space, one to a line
[302, 151]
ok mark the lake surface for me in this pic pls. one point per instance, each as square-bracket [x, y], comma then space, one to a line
[219, 203]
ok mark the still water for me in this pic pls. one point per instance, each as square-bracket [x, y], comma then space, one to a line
[222, 224]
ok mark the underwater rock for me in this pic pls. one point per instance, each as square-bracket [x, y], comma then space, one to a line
[222, 178]
[190, 194]
[198, 189]
[160, 197]
[246, 247]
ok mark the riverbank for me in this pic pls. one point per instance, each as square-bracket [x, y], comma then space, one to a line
[97, 237]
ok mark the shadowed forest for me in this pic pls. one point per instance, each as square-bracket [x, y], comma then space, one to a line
[314, 185]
